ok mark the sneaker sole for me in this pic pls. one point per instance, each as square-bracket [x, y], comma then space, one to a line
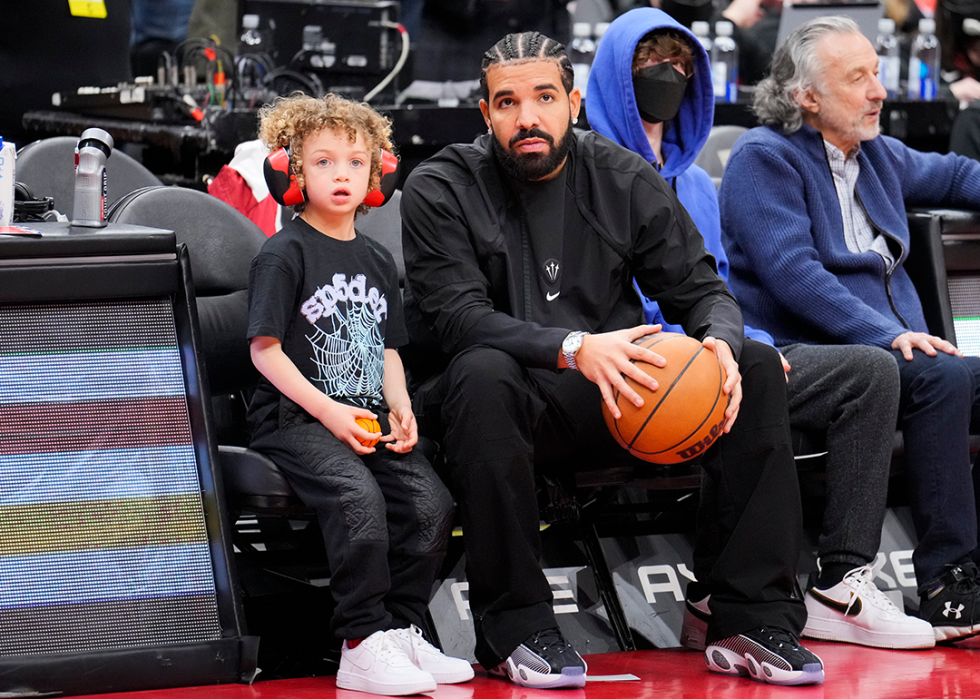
[948, 634]
[347, 680]
[846, 632]
[728, 662]
[525, 677]
[452, 677]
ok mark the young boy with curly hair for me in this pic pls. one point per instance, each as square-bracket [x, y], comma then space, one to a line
[325, 322]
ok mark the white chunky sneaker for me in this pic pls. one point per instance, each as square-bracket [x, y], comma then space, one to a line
[425, 656]
[379, 665]
[855, 611]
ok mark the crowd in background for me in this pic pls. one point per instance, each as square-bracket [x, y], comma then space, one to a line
[442, 34]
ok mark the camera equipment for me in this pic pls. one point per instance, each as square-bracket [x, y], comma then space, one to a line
[350, 45]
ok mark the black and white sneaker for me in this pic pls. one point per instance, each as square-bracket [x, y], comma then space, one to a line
[544, 661]
[765, 654]
[953, 608]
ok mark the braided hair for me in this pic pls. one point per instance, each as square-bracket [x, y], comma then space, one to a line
[523, 48]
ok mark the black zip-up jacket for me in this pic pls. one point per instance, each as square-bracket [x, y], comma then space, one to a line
[465, 243]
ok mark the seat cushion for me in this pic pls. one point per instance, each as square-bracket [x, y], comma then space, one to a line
[248, 473]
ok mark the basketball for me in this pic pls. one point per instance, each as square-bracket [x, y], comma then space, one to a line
[685, 415]
[370, 426]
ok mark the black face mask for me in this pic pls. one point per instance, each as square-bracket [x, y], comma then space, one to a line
[659, 92]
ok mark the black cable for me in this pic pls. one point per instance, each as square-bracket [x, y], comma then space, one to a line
[190, 48]
[310, 82]
[29, 208]
[251, 68]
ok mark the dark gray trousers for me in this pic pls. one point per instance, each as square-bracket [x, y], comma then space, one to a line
[853, 392]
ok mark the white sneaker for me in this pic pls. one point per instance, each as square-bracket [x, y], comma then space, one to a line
[379, 665]
[425, 656]
[855, 611]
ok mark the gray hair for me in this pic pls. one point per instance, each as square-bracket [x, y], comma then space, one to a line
[794, 69]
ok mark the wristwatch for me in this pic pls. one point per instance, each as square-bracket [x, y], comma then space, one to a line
[570, 347]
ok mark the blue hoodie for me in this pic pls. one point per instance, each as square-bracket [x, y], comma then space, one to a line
[611, 110]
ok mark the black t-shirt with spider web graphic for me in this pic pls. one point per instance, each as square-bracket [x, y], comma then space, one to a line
[335, 307]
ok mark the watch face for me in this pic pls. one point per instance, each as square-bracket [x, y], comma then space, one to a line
[572, 343]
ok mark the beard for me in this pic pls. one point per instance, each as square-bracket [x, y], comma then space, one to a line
[531, 167]
[855, 129]
[868, 132]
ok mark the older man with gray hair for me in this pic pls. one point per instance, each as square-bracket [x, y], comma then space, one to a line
[813, 213]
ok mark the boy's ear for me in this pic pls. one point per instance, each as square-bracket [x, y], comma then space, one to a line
[281, 179]
[389, 178]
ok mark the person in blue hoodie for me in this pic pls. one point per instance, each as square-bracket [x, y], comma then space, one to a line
[650, 91]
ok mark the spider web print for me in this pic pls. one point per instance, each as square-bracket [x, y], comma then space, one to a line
[349, 358]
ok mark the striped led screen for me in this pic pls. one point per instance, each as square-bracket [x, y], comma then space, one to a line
[964, 297]
[102, 534]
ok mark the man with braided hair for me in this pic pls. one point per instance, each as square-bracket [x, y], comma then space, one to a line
[520, 252]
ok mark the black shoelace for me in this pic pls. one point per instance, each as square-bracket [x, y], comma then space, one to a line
[550, 638]
[965, 585]
[781, 637]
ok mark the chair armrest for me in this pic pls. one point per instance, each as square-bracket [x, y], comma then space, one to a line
[926, 265]
[248, 473]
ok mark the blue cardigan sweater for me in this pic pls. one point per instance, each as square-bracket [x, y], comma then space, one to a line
[784, 233]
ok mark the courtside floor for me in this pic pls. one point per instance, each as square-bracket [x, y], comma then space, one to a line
[853, 672]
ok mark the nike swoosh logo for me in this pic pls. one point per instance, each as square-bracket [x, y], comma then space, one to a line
[842, 607]
[552, 297]
[361, 661]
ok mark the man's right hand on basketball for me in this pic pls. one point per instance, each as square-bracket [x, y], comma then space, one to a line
[606, 358]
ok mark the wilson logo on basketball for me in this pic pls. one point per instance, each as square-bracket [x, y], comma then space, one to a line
[708, 440]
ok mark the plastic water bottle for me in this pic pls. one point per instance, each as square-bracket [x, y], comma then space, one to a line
[702, 30]
[8, 157]
[924, 62]
[889, 63]
[251, 40]
[724, 64]
[581, 52]
[91, 183]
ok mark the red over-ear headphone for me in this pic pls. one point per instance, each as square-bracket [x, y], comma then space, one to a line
[389, 178]
[281, 179]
